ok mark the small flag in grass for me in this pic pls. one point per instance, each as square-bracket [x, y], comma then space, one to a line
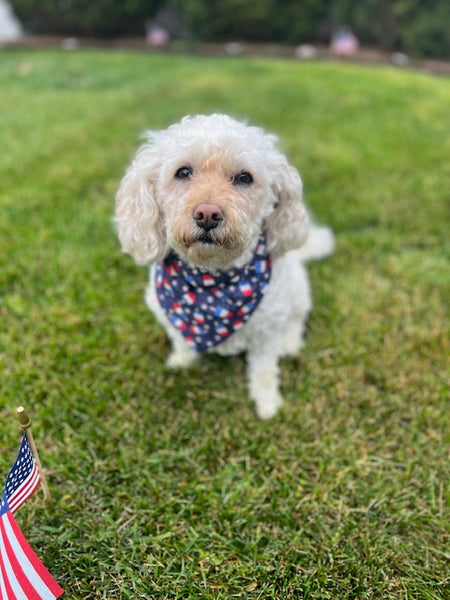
[22, 575]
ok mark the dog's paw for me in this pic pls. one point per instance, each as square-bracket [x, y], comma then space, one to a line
[292, 346]
[179, 359]
[292, 341]
[268, 406]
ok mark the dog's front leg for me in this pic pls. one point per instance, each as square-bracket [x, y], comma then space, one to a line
[263, 381]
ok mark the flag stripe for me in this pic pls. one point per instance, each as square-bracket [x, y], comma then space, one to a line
[36, 582]
[21, 583]
[6, 592]
[39, 568]
[27, 488]
[12, 589]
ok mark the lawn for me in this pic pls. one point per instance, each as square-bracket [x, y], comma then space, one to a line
[165, 484]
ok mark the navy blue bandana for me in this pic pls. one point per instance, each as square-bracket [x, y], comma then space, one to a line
[208, 307]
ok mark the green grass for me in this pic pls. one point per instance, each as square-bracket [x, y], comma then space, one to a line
[165, 484]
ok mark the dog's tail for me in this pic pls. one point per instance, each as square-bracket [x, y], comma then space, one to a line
[319, 244]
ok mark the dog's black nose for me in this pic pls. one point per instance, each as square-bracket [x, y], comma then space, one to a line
[207, 216]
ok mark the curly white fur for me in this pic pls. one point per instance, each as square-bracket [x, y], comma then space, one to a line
[155, 214]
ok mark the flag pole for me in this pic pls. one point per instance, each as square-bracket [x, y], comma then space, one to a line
[25, 423]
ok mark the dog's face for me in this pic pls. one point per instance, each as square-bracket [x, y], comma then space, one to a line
[214, 199]
[207, 187]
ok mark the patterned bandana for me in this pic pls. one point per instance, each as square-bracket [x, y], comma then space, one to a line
[208, 307]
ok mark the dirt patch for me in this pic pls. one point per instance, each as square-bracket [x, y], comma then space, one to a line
[306, 53]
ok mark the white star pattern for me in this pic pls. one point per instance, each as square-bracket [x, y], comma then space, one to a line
[22, 480]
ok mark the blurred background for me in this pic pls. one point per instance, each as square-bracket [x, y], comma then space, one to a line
[414, 28]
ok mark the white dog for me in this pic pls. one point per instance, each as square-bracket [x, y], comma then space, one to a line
[216, 210]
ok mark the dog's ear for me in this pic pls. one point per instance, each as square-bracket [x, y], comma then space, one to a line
[140, 224]
[287, 226]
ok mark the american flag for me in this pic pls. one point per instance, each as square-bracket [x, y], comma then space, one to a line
[22, 575]
[23, 479]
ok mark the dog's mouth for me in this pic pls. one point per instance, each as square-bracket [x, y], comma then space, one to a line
[211, 237]
[207, 239]
[217, 241]
[210, 249]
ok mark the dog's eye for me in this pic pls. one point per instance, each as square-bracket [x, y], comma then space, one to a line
[183, 173]
[242, 178]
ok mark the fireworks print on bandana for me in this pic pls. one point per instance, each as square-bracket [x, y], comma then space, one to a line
[209, 307]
